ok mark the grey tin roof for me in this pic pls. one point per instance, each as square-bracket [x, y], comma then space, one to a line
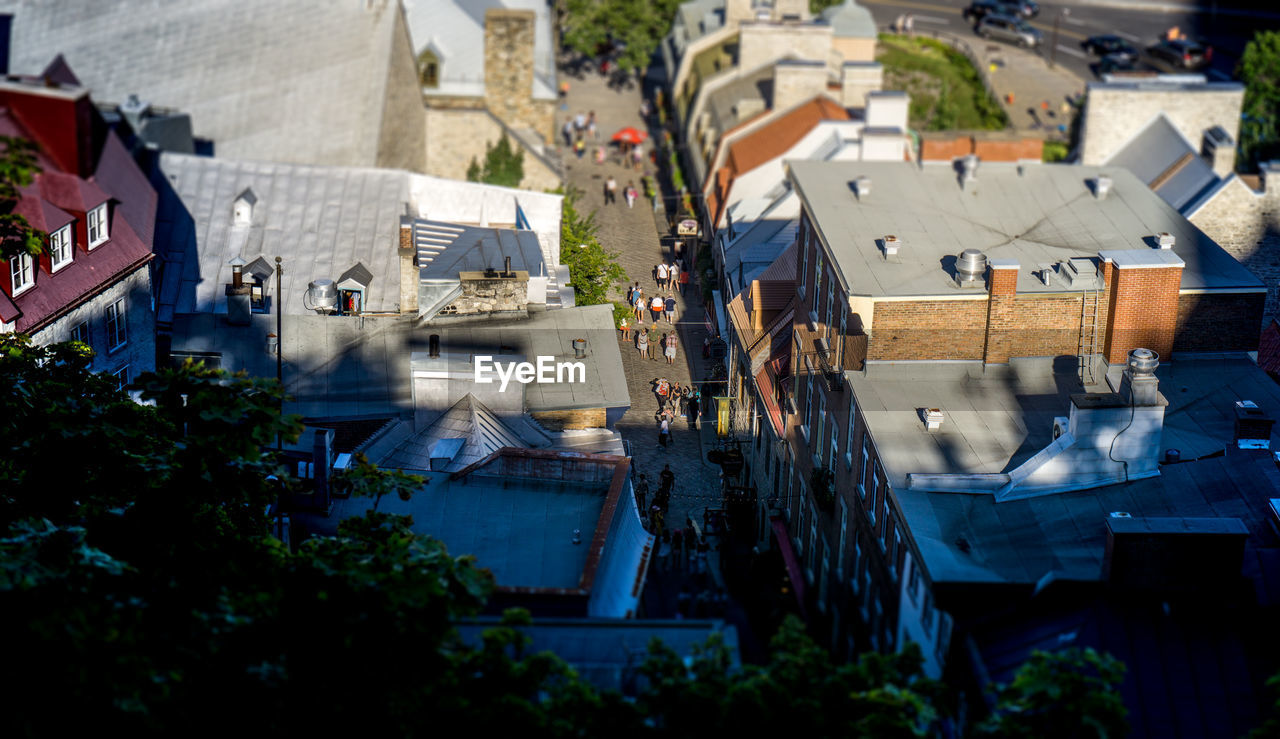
[287, 80]
[1034, 214]
[994, 420]
[454, 30]
[1161, 150]
[323, 221]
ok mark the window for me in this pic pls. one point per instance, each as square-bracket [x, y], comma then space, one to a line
[848, 443]
[832, 449]
[844, 313]
[804, 268]
[875, 489]
[80, 332]
[926, 617]
[117, 328]
[429, 63]
[831, 301]
[817, 275]
[913, 584]
[60, 248]
[122, 377]
[800, 527]
[821, 420]
[97, 225]
[844, 530]
[20, 273]
[862, 467]
[894, 548]
[813, 541]
[808, 406]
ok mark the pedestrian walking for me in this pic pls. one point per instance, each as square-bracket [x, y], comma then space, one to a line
[600, 155]
[670, 305]
[637, 156]
[624, 328]
[661, 388]
[684, 282]
[591, 125]
[664, 434]
[909, 23]
[579, 148]
[610, 190]
[654, 338]
[580, 123]
[642, 491]
[664, 552]
[642, 343]
[639, 306]
[657, 305]
[660, 274]
[631, 295]
[693, 409]
[677, 398]
[655, 521]
[630, 194]
[670, 347]
[567, 132]
[666, 479]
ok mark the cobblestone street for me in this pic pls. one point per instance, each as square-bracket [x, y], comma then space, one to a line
[634, 234]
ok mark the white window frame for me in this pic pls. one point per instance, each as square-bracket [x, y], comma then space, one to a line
[60, 244]
[833, 448]
[22, 274]
[848, 444]
[98, 226]
[821, 423]
[117, 314]
[804, 265]
[862, 466]
[831, 301]
[122, 377]
[875, 488]
[800, 525]
[913, 582]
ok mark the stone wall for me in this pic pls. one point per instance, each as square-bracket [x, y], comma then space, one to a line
[582, 418]
[401, 139]
[1219, 323]
[1113, 115]
[508, 72]
[795, 82]
[1247, 224]
[855, 49]
[482, 294]
[139, 350]
[857, 79]
[456, 135]
[761, 43]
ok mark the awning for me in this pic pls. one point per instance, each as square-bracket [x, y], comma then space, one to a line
[790, 560]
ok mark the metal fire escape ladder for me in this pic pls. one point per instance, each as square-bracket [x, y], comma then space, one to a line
[1090, 307]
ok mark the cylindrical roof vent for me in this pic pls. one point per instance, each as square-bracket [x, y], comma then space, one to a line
[322, 295]
[1143, 361]
[971, 266]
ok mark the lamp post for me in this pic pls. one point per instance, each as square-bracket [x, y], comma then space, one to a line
[1057, 21]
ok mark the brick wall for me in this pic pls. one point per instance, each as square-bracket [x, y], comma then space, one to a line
[1143, 310]
[1008, 150]
[582, 418]
[1039, 326]
[1219, 322]
[928, 329]
[944, 148]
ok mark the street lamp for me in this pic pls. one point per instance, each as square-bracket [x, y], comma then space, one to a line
[1057, 21]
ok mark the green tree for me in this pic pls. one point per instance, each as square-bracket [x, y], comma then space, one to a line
[634, 28]
[503, 165]
[1072, 693]
[592, 268]
[1259, 68]
[18, 168]
[817, 6]
[799, 691]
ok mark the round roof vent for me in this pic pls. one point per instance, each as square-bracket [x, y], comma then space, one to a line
[971, 265]
[1143, 361]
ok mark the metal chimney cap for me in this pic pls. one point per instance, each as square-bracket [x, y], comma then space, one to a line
[1143, 361]
[971, 264]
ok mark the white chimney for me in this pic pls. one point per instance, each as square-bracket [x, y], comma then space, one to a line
[1101, 186]
[1165, 240]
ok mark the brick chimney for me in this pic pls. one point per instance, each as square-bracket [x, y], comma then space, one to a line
[408, 259]
[508, 71]
[1142, 310]
[1001, 311]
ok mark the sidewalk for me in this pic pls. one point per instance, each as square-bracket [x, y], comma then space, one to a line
[1026, 76]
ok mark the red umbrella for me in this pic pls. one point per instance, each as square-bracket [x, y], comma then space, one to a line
[630, 135]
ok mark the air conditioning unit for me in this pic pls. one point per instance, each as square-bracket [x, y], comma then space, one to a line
[1060, 424]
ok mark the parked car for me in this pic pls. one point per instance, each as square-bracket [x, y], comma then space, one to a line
[1008, 29]
[979, 9]
[1107, 45]
[1026, 8]
[1182, 54]
[1114, 63]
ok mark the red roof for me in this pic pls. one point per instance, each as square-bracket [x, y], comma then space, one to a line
[768, 142]
[56, 197]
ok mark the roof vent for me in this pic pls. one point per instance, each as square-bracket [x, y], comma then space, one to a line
[322, 296]
[971, 267]
[933, 419]
[1121, 514]
[891, 246]
[242, 208]
[1143, 362]
[862, 187]
[1101, 186]
[1165, 240]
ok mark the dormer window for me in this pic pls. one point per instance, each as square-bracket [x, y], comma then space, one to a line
[20, 274]
[429, 67]
[98, 225]
[60, 248]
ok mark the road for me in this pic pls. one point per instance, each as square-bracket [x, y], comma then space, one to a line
[1226, 31]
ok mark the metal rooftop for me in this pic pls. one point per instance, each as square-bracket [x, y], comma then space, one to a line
[286, 81]
[1034, 214]
[454, 31]
[994, 420]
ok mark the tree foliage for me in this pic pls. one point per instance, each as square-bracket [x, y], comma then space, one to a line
[18, 168]
[592, 268]
[1072, 693]
[633, 29]
[503, 165]
[1259, 68]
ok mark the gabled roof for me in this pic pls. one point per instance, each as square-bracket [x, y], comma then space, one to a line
[480, 431]
[1163, 158]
